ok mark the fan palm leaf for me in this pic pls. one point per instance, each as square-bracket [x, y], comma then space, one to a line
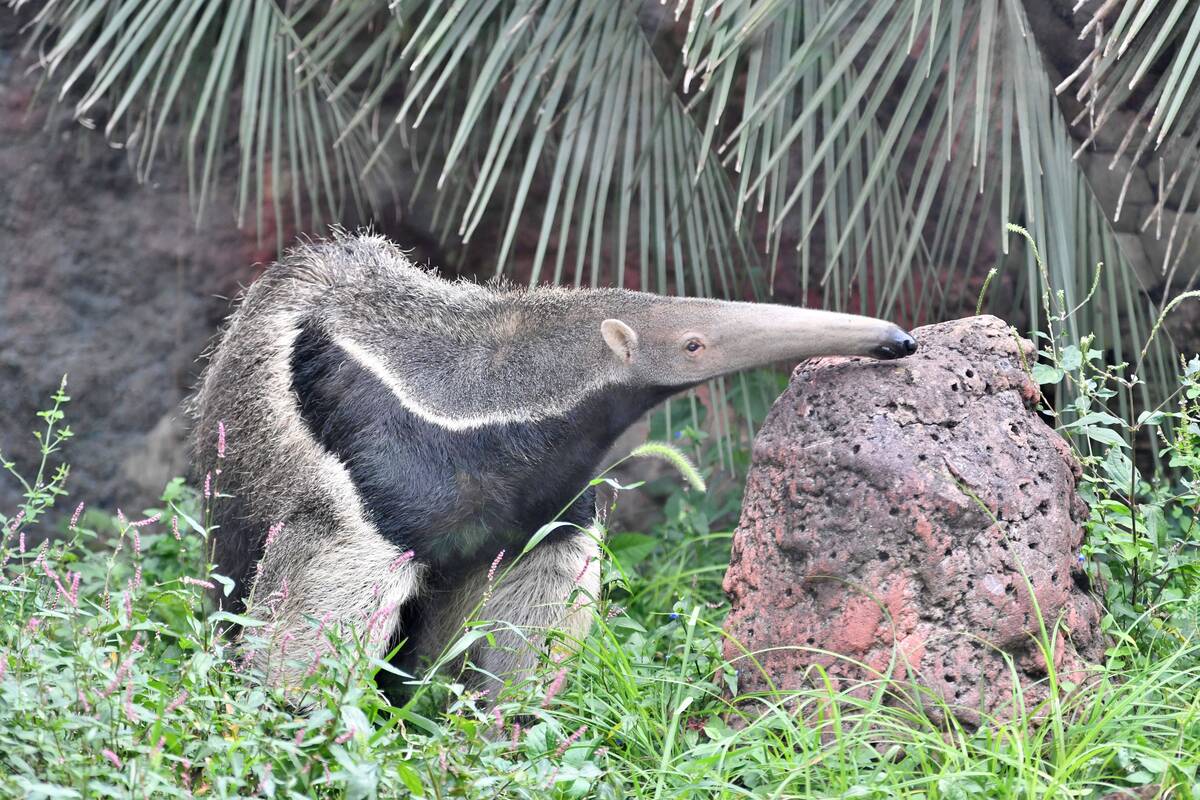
[862, 155]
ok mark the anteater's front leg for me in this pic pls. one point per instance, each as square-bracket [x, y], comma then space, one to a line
[551, 588]
[350, 581]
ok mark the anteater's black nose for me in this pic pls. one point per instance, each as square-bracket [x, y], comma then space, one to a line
[899, 345]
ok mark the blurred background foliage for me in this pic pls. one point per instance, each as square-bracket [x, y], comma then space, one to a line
[843, 153]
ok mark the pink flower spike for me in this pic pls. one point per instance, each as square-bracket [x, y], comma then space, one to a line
[121, 519]
[75, 516]
[16, 521]
[111, 756]
[179, 700]
[587, 562]
[516, 736]
[208, 484]
[175, 527]
[555, 687]
[221, 439]
[272, 534]
[495, 565]
[130, 713]
[345, 737]
[141, 523]
[34, 624]
[3, 665]
[401, 560]
[197, 582]
[21, 543]
[570, 740]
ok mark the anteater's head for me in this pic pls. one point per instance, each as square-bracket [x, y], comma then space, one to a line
[681, 342]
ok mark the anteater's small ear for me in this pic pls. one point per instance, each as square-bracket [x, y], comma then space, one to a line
[621, 338]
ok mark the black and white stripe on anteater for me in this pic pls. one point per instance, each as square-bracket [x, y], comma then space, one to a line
[373, 408]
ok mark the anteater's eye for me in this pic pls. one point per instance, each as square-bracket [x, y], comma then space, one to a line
[694, 346]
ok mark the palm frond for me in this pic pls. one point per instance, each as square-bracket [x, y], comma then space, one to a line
[222, 74]
[870, 154]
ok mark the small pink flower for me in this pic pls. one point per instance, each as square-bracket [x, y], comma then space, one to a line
[197, 582]
[570, 740]
[175, 527]
[442, 761]
[208, 484]
[130, 712]
[16, 521]
[298, 739]
[21, 543]
[262, 784]
[179, 700]
[498, 717]
[583, 570]
[121, 519]
[75, 516]
[614, 611]
[272, 534]
[158, 746]
[555, 687]
[111, 756]
[141, 523]
[345, 737]
[34, 624]
[401, 560]
[516, 736]
[129, 601]
[495, 565]
[118, 679]
[221, 439]
[87, 707]
[3, 665]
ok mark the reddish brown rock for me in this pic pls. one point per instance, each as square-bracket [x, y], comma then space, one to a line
[893, 514]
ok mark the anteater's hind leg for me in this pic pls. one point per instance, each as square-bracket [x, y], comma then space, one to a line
[307, 585]
[551, 588]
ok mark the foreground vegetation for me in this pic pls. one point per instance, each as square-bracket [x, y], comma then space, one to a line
[115, 679]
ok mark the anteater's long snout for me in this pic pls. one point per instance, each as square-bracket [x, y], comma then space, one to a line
[898, 344]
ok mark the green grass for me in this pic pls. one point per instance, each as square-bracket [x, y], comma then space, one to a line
[115, 681]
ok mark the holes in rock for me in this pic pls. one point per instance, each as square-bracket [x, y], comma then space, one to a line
[922, 457]
[857, 447]
[882, 555]
[954, 387]
[810, 640]
[893, 511]
[950, 678]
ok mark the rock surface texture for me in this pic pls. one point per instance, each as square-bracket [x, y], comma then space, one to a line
[894, 514]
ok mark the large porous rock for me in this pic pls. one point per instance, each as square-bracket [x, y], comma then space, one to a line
[913, 519]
